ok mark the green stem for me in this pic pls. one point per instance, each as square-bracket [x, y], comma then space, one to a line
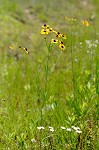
[53, 67]
[72, 65]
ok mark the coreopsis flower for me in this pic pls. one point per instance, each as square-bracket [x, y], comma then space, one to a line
[70, 19]
[25, 49]
[45, 31]
[50, 29]
[63, 36]
[54, 41]
[58, 34]
[61, 45]
[85, 23]
[45, 26]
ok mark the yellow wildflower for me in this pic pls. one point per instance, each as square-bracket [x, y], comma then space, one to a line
[58, 34]
[67, 18]
[61, 45]
[25, 49]
[50, 29]
[70, 19]
[45, 31]
[64, 37]
[85, 23]
[11, 47]
[54, 41]
[45, 26]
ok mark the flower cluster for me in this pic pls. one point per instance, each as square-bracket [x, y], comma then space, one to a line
[20, 47]
[91, 46]
[91, 43]
[84, 22]
[70, 19]
[51, 129]
[58, 36]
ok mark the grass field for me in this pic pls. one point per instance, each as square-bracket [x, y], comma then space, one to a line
[49, 84]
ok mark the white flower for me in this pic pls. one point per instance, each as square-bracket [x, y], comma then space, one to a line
[69, 129]
[51, 129]
[78, 131]
[88, 51]
[41, 127]
[75, 128]
[63, 128]
[33, 140]
[76, 59]
[96, 41]
[88, 42]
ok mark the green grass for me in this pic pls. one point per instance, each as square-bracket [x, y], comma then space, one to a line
[49, 88]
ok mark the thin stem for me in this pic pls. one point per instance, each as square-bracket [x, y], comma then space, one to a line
[53, 67]
[72, 65]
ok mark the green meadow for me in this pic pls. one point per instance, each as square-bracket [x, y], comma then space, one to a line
[49, 75]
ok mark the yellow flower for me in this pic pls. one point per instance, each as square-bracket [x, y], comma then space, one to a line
[54, 41]
[61, 46]
[25, 49]
[70, 19]
[67, 18]
[45, 26]
[50, 29]
[45, 31]
[64, 37]
[11, 47]
[85, 23]
[58, 34]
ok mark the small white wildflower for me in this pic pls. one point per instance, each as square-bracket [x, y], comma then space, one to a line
[96, 41]
[88, 51]
[76, 60]
[94, 45]
[90, 45]
[63, 128]
[33, 140]
[50, 127]
[91, 53]
[41, 127]
[92, 17]
[75, 128]
[88, 42]
[69, 129]
[78, 131]
[52, 130]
